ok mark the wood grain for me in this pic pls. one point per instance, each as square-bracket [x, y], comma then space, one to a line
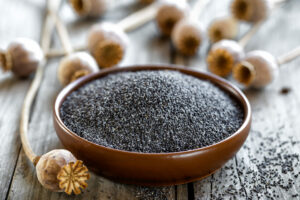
[12, 90]
[43, 138]
[276, 119]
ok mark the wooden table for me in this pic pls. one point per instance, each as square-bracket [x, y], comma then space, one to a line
[266, 167]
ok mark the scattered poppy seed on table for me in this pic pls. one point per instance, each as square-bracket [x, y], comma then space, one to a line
[151, 111]
[271, 169]
[285, 90]
[267, 176]
[153, 193]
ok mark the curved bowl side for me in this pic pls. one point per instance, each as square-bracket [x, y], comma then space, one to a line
[151, 168]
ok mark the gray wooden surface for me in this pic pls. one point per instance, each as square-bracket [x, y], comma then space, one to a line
[266, 167]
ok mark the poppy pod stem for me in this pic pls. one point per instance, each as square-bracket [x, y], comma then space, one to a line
[107, 42]
[63, 34]
[61, 52]
[129, 23]
[246, 38]
[289, 56]
[49, 24]
[45, 44]
[75, 64]
[57, 170]
[138, 18]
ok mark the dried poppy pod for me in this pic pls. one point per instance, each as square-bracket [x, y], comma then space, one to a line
[107, 43]
[169, 13]
[187, 36]
[58, 171]
[251, 10]
[75, 66]
[226, 53]
[223, 28]
[223, 56]
[22, 57]
[89, 8]
[257, 69]
[260, 68]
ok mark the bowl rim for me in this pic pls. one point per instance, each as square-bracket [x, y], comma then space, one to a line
[220, 82]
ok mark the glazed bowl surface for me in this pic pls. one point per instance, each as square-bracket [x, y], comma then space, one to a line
[153, 169]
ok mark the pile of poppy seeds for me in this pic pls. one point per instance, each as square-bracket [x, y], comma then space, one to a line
[152, 112]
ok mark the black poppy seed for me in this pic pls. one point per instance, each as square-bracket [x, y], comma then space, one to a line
[274, 172]
[153, 193]
[285, 90]
[152, 111]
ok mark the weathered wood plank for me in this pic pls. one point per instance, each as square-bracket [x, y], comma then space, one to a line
[205, 189]
[9, 119]
[182, 192]
[273, 137]
[43, 137]
[259, 170]
[12, 90]
[275, 116]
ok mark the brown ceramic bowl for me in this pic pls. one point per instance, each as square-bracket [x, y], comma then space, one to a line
[153, 169]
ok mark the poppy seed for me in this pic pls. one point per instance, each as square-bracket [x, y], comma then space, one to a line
[152, 112]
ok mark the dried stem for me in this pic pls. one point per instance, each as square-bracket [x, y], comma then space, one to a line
[289, 56]
[63, 34]
[246, 38]
[53, 5]
[138, 18]
[26, 113]
[129, 23]
[198, 8]
[60, 52]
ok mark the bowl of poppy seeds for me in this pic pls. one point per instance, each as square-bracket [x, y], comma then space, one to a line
[152, 125]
